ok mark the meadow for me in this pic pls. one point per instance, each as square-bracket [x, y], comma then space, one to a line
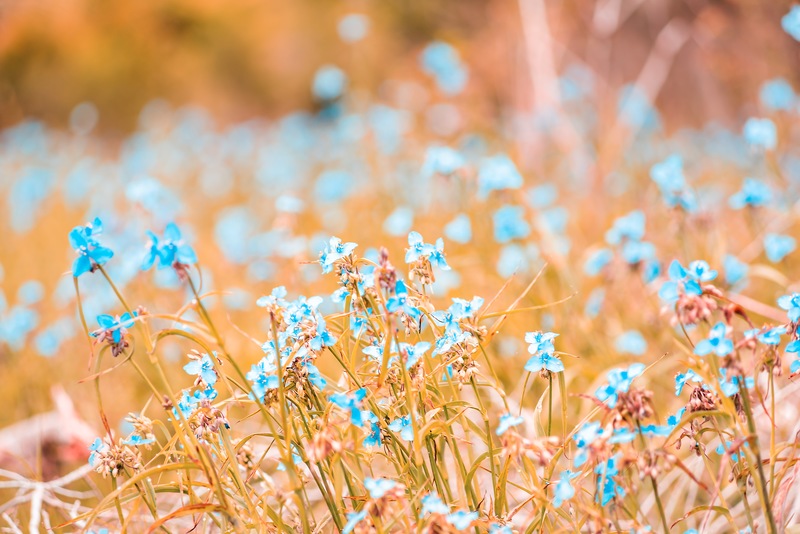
[404, 310]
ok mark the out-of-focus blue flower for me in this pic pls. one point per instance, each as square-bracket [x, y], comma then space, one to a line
[204, 368]
[760, 133]
[353, 27]
[353, 519]
[459, 229]
[791, 22]
[735, 269]
[442, 160]
[432, 504]
[137, 440]
[629, 227]
[791, 303]
[722, 449]
[510, 224]
[441, 61]
[399, 221]
[631, 342]
[90, 251]
[585, 436]
[597, 261]
[334, 251]
[668, 174]
[378, 487]
[778, 246]
[507, 421]
[405, 426]
[754, 193]
[497, 528]
[564, 490]
[595, 302]
[329, 83]
[462, 519]
[619, 381]
[399, 302]
[171, 250]
[717, 342]
[777, 95]
[497, 173]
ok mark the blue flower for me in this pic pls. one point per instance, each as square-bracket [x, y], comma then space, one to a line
[685, 281]
[597, 261]
[607, 485]
[510, 224]
[204, 368]
[459, 229]
[791, 303]
[404, 425]
[353, 519]
[619, 381]
[681, 379]
[373, 438]
[414, 353]
[115, 326]
[629, 227]
[442, 160]
[777, 95]
[329, 83]
[717, 342]
[441, 61]
[353, 27]
[722, 449]
[668, 174]
[542, 352]
[564, 490]
[585, 436]
[497, 173]
[90, 251]
[351, 402]
[497, 528]
[263, 377]
[770, 336]
[760, 133]
[631, 342]
[778, 246]
[508, 421]
[136, 440]
[399, 302]
[334, 251]
[731, 387]
[378, 487]
[462, 519]
[432, 504]
[754, 193]
[98, 445]
[419, 250]
[791, 22]
[170, 251]
[735, 269]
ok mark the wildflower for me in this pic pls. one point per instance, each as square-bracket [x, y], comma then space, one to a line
[378, 487]
[686, 281]
[607, 486]
[619, 381]
[442, 62]
[353, 519]
[116, 327]
[373, 438]
[459, 229]
[202, 366]
[462, 519]
[629, 227]
[777, 95]
[171, 251]
[419, 250]
[432, 504]
[726, 449]
[497, 528]
[731, 387]
[597, 261]
[508, 421]
[414, 353]
[735, 270]
[351, 402]
[584, 438]
[754, 194]
[334, 251]
[717, 342]
[510, 224]
[136, 440]
[442, 160]
[681, 379]
[542, 351]
[668, 175]
[778, 246]
[353, 27]
[631, 342]
[404, 425]
[791, 303]
[399, 302]
[564, 490]
[760, 133]
[497, 173]
[90, 252]
[770, 336]
[263, 377]
[791, 22]
[329, 83]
